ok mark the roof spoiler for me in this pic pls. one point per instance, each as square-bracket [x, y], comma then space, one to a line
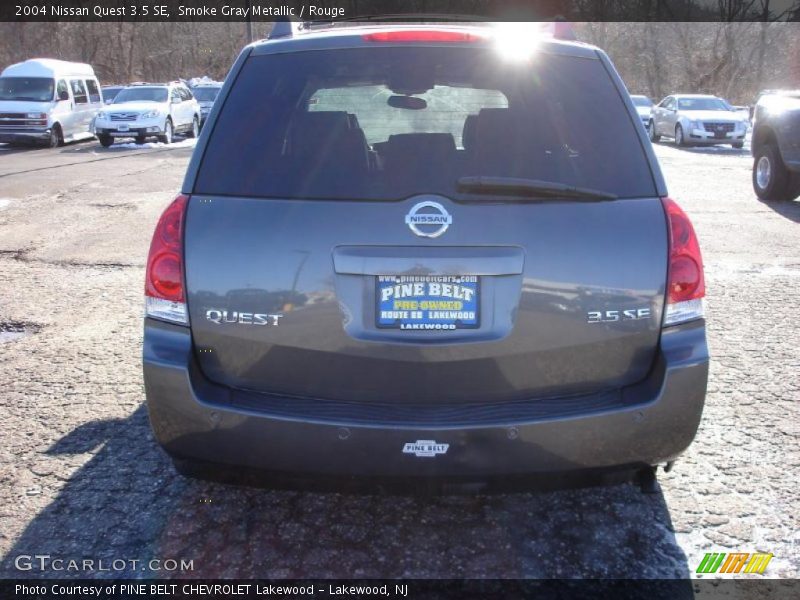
[559, 28]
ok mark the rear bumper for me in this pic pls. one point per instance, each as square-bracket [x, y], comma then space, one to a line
[646, 424]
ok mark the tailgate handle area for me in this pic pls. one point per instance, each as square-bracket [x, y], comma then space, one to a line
[428, 260]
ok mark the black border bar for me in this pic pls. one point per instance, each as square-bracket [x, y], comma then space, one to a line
[457, 589]
[482, 10]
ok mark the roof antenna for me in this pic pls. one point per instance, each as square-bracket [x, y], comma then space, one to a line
[282, 28]
[562, 29]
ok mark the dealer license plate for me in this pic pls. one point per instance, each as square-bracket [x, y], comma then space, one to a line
[123, 127]
[428, 302]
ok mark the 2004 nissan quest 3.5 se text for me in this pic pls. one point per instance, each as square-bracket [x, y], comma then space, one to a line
[415, 253]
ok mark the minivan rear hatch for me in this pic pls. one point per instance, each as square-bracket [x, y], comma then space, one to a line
[420, 224]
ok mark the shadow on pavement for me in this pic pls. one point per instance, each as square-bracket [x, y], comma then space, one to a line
[128, 503]
[788, 208]
[69, 147]
[713, 150]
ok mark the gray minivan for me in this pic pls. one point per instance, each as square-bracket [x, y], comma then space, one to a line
[415, 252]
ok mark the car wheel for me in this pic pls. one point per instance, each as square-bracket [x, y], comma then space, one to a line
[105, 140]
[140, 140]
[166, 138]
[771, 179]
[56, 138]
[651, 129]
[737, 145]
[195, 130]
[679, 139]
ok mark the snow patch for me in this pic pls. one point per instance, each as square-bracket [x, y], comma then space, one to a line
[187, 143]
[4, 202]
[10, 336]
[205, 79]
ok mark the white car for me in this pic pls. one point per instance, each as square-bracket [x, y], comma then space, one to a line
[697, 119]
[48, 101]
[147, 110]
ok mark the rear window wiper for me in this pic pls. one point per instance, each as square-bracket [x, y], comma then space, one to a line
[529, 188]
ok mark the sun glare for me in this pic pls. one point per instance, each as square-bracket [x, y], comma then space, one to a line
[517, 41]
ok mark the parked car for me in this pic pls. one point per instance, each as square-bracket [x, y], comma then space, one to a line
[776, 146]
[643, 106]
[743, 112]
[48, 101]
[696, 119]
[149, 110]
[206, 93]
[500, 288]
[110, 92]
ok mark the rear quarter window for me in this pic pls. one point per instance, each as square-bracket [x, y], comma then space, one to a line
[78, 91]
[94, 91]
[387, 123]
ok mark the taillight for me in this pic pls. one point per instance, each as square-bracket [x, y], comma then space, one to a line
[163, 288]
[422, 35]
[685, 284]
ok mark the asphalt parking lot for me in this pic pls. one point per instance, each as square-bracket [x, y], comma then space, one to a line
[82, 477]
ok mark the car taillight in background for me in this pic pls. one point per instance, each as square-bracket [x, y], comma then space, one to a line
[164, 293]
[685, 284]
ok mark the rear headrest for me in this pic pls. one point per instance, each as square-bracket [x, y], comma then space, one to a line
[311, 128]
[494, 123]
[468, 135]
[511, 144]
[325, 141]
[499, 124]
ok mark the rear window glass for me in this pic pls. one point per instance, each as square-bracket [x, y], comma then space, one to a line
[388, 123]
[445, 110]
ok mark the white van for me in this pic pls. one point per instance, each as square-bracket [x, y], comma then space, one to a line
[48, 101]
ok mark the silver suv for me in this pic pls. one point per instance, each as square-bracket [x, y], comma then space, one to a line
[148, 110]
[415, 252]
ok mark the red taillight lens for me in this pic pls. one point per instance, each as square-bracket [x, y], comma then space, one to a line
[685, 285]
[164, 278]
[422, 35]
[685, 263]
[685, 280]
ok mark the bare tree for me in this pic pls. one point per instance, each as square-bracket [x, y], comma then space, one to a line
[731, 59]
